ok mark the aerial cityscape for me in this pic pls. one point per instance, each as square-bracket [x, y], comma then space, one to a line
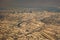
[29, 19]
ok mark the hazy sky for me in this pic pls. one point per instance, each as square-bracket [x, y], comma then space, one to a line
[30, 3]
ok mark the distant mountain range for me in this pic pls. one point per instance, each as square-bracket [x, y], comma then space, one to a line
[50, 9]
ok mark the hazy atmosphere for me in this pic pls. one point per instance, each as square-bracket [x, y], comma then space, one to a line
[29, 3]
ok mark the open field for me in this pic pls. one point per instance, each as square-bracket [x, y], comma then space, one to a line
[30, 26]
